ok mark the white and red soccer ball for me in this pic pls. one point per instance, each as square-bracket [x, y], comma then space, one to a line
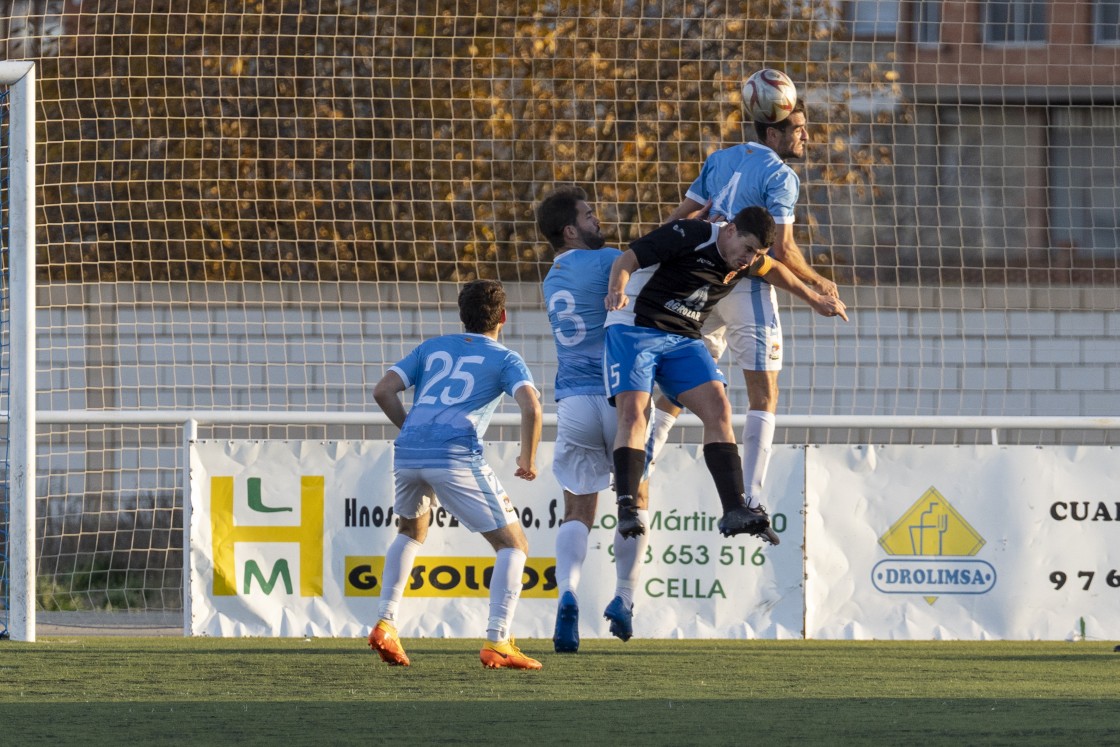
[769, 96]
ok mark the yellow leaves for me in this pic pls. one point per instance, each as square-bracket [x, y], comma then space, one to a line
[297, 135]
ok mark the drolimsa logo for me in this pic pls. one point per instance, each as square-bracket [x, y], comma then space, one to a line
[932, 548]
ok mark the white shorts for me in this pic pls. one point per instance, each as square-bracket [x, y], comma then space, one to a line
[747, 321]
[585, 429]
[471, 493]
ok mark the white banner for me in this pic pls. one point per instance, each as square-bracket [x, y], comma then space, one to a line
[289, 538]
[978, 542]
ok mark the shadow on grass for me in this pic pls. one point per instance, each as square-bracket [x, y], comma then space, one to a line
[653, 722]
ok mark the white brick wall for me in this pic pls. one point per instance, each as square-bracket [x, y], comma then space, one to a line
[261, 346]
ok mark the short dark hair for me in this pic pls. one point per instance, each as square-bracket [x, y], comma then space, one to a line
[760, 128]
[481, 303]
[758, 221]
[557, 211]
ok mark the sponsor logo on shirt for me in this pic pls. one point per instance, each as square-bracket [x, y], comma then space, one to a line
[692, 306]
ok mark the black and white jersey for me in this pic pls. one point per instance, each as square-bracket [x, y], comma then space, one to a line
[682, 276]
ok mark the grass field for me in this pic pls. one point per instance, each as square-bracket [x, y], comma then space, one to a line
[334, 691]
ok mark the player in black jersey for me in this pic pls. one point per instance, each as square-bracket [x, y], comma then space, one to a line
[674, 276]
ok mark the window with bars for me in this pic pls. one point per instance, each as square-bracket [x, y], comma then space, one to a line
[873, 18]
[1015, 21]
[927, 21]
[1106, 21]
[1085, 179]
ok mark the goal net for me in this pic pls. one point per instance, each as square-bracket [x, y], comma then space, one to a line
[257, 207]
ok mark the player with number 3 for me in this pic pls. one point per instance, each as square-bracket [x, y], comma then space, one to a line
[574, 290]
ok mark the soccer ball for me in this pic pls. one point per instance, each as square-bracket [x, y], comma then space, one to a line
[769, 96]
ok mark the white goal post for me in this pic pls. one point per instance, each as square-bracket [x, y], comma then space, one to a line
[20, 78]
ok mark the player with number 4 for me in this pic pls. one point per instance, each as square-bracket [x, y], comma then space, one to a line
[753, 173]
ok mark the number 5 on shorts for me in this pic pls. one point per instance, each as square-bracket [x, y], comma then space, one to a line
[615, 378]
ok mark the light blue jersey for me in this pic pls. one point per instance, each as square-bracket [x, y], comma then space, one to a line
[574, 290]
[745, 175]
[459, 380]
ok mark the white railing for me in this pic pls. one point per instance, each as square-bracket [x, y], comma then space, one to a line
[327, 417]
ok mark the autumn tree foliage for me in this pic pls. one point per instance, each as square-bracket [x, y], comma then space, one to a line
[367, 140]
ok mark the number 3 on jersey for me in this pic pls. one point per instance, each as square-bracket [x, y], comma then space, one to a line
[445, 367]
[563, 304]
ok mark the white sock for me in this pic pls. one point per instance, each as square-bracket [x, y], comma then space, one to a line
[758, 444]
[571, 549]
[505, 590]
[398, 566]
[659, 434]
[629, 555]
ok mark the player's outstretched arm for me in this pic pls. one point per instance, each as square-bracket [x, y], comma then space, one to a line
[782, 277]
[387, 393]
[530, 405]
[621, 270]
[687, 209]
[787, 251]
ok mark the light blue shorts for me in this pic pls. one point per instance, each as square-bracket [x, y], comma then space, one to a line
[471, 493]
[634, 358]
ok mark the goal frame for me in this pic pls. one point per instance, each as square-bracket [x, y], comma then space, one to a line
[19, 76]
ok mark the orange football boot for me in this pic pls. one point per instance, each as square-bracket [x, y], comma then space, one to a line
[506, 654]
[384, 640]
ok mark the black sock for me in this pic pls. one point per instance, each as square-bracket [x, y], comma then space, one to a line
[727, 470]
[629, 464]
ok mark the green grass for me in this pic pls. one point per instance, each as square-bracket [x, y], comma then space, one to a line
[334, 691]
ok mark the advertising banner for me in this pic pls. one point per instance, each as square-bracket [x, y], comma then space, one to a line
[969, 542]
[289, 538]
